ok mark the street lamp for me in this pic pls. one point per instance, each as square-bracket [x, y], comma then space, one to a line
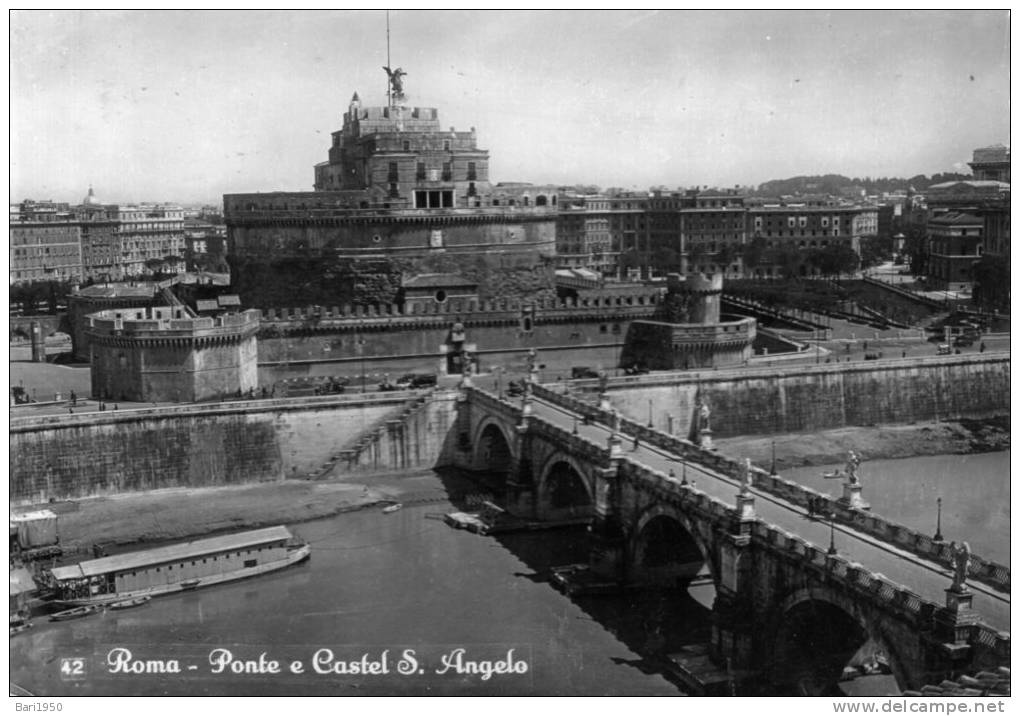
[683, 467]
[832, 533]
[938, 527]
[650, 423]
[773, 470]
[361, 351]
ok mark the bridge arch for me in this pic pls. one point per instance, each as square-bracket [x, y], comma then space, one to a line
[494, 452]
[815, 632]
[564, 490]
[666, 549]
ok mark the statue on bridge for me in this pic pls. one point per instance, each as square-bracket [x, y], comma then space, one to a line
[532, 361]
[961, 566]
[853, 462]
[616, 422]
[603, 381]
[748, 477]
[704, 414]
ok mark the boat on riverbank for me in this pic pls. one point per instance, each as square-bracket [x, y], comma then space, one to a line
[76, 613]
[129, 603]
[177, 568]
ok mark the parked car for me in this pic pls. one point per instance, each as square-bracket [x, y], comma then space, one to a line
[944, 349]
[635, 369]
[515, 388]
[583, 372]
[417, 380]
[963, 341]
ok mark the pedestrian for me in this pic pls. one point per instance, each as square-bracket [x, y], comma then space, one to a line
[904, 354]
[982, 349]
[116, 407]
[71, 411]
[635, 443]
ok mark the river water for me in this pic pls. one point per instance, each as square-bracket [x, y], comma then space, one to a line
[381, 584]
[974, 491]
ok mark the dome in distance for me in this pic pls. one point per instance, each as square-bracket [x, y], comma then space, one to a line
[91, 199]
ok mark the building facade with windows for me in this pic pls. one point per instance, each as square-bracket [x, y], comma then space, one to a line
[151, 238]
[955, 246]
[44, 246]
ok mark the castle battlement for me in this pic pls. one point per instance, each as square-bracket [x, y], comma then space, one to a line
[468, 310]
[164, 322]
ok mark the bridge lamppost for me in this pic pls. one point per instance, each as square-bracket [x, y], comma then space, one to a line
[832, 533]
[575, 425]
[938, 526]
[772, 471]
[361, 351]
[683, 468]
[650, 423]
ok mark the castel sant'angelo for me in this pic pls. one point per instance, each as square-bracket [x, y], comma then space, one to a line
[398, 196]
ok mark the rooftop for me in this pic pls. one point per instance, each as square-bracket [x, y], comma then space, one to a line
[119, 290]
[438, 280]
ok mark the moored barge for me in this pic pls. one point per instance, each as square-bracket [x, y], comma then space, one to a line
[179, 567]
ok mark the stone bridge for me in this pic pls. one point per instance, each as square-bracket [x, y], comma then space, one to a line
[795, 597]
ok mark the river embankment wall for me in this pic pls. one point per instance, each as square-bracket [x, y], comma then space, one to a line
[791, 399]
[85, 455]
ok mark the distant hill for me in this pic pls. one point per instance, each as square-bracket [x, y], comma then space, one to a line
[839, 185]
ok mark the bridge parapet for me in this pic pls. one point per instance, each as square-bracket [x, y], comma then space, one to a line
[874, 587]
[983, 570]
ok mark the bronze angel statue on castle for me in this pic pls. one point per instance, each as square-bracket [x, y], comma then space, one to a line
[396, 82]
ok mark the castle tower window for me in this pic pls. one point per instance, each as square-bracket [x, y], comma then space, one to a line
[471, 173]
[407, 146]
[394, 174]
[419, 175]
[447, 171]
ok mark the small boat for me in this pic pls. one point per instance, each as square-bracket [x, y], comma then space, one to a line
[75, 613]
[837, 475]
[190, 583]
[128, 603]
[392, 508]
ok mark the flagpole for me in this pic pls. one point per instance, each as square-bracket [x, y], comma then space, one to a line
[389, 99]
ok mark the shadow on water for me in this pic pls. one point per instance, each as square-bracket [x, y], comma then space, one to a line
[651, 623]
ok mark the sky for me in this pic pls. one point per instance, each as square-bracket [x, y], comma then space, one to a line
[189, 105]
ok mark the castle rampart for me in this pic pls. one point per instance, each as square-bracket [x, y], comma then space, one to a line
[159, 353]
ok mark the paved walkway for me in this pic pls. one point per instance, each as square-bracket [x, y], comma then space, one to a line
[926, 579]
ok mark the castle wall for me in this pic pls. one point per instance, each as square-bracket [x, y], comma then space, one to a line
[366, 235]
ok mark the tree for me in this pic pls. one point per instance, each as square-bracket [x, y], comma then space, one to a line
[991, 283]
[874, 250]
[696, 254]
[726, 255]
[753, 253]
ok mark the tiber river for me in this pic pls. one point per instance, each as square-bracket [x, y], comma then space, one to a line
[417, 591]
